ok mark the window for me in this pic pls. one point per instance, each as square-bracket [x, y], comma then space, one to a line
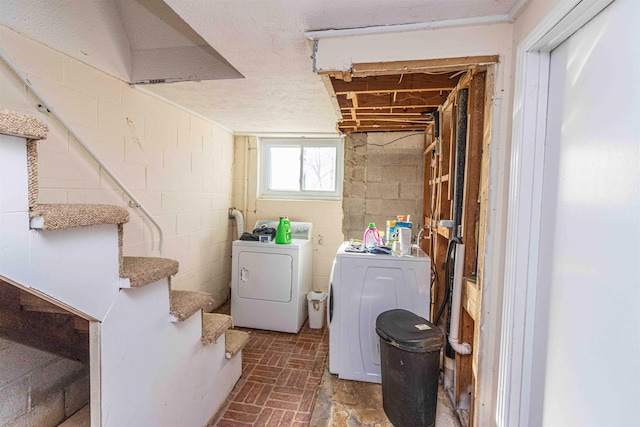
[301, 168]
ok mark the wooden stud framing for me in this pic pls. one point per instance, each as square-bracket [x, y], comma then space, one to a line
[438, 206]
[475, 134]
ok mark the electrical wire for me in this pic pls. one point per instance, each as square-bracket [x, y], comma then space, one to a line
[447, 277]
[363, 141]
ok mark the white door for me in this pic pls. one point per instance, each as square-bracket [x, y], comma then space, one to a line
[586, 361]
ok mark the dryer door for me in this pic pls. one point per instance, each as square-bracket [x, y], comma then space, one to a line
[265, 276]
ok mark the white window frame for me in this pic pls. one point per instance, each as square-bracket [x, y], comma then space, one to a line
[264, 161]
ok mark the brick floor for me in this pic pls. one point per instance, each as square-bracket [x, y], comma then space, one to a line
[280, 377]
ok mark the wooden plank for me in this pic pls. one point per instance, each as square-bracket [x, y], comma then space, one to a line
[425, 243]
[444, 178]
[444, 232]
[445, 161]
[380, 128]
[51, 332]
[46, 298]
[354, 101]
[430, 148]
[30, 302]
[434, 65]
[464, 374]
[470, 297]
[412, 99]
[471, 205]
[80, 324]
[452, 154]
[395, 83]
[484, 188]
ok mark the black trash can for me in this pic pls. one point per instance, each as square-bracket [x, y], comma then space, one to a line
[410, 363]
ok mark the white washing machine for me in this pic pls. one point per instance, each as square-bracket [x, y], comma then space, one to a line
[362, 286]
[270, 282]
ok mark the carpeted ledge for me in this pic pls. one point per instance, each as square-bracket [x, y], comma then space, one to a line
[144, 270]
[185, 303]
[57, 217]
[19, 124]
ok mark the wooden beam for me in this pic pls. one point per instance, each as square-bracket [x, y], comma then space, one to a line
[395, 83]
[444, 232]
[470, 297]
[471, 205]
[379, 128]
[464, 374]
[365, 69]
[430, 148]
[443, 178]
[354, 101]
[417, 99]
[482, 242]
[394, 108]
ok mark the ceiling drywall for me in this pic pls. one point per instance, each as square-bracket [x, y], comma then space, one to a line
[264, 43]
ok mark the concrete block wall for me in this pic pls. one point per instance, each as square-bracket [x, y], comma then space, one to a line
[38, 388]
[383, 177]
[177, 164]
[326, 216]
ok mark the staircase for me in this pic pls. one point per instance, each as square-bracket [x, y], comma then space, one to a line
[155, 357]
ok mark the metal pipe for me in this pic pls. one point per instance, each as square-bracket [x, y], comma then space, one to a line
[461, 152]
[77, 137]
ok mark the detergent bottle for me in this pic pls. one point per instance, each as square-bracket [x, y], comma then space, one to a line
[371, 236]
[283, 232]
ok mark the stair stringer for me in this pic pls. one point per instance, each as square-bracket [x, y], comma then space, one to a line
[156, 372]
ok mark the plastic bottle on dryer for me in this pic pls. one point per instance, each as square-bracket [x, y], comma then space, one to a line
[371, 236]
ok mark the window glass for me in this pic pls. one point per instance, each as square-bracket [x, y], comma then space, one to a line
[301, 168]
[284, 170]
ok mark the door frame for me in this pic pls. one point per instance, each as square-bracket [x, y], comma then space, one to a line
[525, 203]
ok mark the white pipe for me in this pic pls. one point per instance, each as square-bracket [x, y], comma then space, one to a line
[77, 137]
[465, 347]
[237, 215]
[245, 184]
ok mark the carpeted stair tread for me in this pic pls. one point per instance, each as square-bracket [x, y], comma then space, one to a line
[214, 325]
[185, 303]
[63, 216]
[144, 270]
[234, 342]
[19, 124]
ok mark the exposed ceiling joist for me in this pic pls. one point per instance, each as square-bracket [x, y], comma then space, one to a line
[401, 95]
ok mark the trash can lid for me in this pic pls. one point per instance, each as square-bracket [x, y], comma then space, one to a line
[316, 296]
[408, 331]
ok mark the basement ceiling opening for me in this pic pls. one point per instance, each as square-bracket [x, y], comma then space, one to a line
[397, 96]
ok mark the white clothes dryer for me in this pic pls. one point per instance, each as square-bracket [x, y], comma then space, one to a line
[270, 282]
[362, 286]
